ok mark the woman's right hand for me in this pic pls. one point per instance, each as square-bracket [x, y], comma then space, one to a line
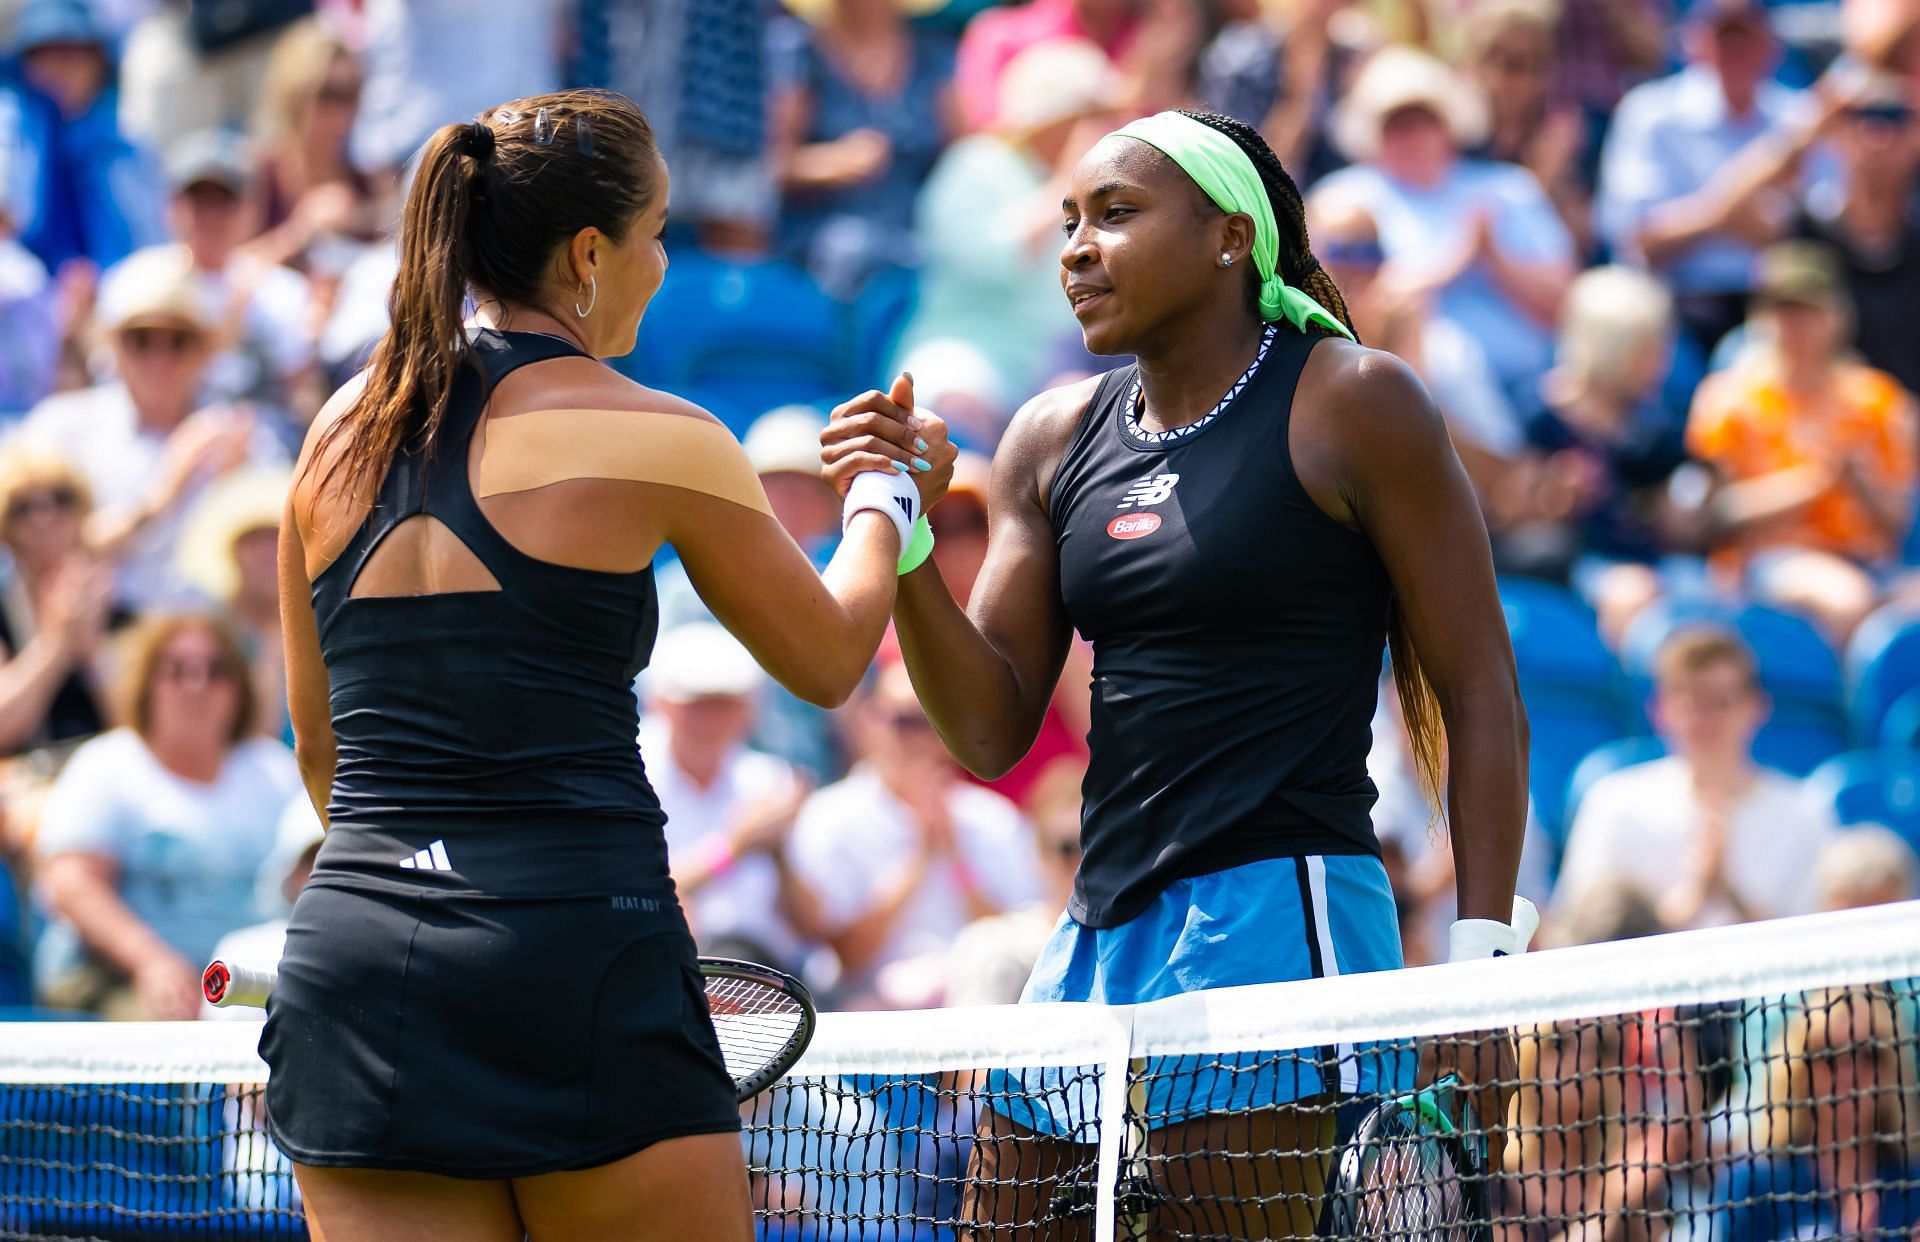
[169, 988]
[875, 430]
[77, 602]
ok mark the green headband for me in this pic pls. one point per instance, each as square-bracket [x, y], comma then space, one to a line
[1218, 165]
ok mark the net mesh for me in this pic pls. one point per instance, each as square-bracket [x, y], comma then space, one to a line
[1731, 1086]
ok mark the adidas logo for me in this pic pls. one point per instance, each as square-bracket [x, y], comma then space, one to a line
[433, 858]
[906, 504]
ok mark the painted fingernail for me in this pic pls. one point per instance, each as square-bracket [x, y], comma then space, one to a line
[921, 463]
[919, 445]
[914, 422]
[901, 466]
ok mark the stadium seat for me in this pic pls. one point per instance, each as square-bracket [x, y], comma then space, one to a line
[1900, 729]
[874, 323]
[1606, 760]
[1570, 684]
[16, 983]
[1882, 663]
[746, 336]
[1872, 786]
[1799, 671]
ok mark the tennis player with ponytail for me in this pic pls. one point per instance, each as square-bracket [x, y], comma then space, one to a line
[488, 1023]
[1239, 522]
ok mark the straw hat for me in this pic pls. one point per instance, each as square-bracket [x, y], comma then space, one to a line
[155, 287]
[251, 498]
[1397, 77]
[1055, 80]
[817, 11]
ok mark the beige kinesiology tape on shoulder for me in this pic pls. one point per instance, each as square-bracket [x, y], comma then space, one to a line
[543, 447]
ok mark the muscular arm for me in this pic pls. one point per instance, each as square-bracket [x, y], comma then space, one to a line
[1373, 452]
[985, 678]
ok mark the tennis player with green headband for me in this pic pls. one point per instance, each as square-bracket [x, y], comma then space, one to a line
[1240, 521]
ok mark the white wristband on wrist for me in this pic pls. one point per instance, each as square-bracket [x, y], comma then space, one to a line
[1472, 939]
[885, 492]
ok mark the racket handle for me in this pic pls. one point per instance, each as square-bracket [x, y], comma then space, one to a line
[225, 985]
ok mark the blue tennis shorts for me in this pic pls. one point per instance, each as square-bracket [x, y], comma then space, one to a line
[1273, 921]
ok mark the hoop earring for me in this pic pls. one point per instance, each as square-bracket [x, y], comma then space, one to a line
[594, 282]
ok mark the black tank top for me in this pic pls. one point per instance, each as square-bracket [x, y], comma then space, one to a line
[486, 738]
[1237, 636]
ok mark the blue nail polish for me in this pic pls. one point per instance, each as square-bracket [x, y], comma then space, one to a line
[921, 463]
[901, 466]
[919, 445]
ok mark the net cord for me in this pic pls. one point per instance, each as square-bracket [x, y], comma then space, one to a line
[1722, 964]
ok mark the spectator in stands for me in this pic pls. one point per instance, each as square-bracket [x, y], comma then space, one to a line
[260, 946]
[229, 552]
[903, 853]
[1589, 497]
[190, 66]
[78, 187]
[992, 957]
[264, 311]
[1605, 47]
[1814, 453]
[1511, 50]
[987, 222]
[1282, 76]
[1708, 834]
[1871, 225]
[1866, 865]
[54, 604]
[316, 207]
[1672, 194]
[30, 315]
[152, 837]
[861, 109]
[995, 38]
[142, 441]
[1833, 1153]
[729, 809]
[1483, 237]
[703, 85]
[1393, 310]
[960, 525]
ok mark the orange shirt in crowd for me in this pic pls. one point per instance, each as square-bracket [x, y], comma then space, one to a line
[1746, 423]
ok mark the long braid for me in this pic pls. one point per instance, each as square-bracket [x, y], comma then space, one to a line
[1421, 710]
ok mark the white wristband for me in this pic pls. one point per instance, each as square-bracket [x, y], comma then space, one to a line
[886, 492]
[1472, 939]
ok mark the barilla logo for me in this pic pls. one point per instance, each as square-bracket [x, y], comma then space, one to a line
[1134, 525]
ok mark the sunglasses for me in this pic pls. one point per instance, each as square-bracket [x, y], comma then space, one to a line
[193, 672]
[906, 720]
[345, 95]
[53, 500]
[1892, 115]
[1353, 254]
[176, 341]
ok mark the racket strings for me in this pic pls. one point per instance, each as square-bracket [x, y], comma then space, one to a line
[756, 1023]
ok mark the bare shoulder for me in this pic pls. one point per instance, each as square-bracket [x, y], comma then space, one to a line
[1353, 395]
[585, 384]
[1038, 436]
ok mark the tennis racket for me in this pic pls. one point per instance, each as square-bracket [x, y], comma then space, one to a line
[1411, 1173]
[764, 1018]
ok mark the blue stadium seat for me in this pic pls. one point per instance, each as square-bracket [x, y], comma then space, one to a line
[1883, 663]
[1873, 786]
[1797, 668]
[16, 982]
[1900, 729]
[747, 336]
[1606, 760]
[875, 321]
[1571, 686]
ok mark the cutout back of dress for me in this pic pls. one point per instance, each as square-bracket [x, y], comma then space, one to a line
[480, 696]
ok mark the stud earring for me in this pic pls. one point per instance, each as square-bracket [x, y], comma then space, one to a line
[1226, 260]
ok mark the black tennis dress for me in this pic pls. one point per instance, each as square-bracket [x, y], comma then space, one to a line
[489, 975]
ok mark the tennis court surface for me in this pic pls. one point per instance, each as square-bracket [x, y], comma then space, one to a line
[1735, 1085]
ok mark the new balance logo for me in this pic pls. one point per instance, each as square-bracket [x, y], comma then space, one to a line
[906, 506]
[433, 858]
[1151, 490]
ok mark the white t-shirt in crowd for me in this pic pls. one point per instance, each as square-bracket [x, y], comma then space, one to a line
[852, 839]
[187, 852]
[1638, 825]
[97, 430]
[745, 901]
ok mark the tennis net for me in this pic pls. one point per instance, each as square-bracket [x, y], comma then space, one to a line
[1733, 1085]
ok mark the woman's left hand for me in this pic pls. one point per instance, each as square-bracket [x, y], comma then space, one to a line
[1488, 1069]
[875, 430]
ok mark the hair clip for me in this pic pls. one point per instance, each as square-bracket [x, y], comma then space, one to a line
[583, 135]
[543, 128]
[506, 116]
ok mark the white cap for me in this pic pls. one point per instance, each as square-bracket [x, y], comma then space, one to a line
[786, 441]
[1056, 80]
[700, 660]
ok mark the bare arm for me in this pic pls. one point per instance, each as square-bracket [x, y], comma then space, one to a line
[1374, 454]
[308, 696]
[985, 679]
[80, 887]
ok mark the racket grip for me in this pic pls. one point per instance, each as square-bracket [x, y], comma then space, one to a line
[226, 985]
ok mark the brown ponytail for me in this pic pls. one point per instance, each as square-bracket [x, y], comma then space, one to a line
[492, 204]
[1421, 710]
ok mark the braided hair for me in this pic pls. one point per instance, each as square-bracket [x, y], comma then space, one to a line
[1299, 268]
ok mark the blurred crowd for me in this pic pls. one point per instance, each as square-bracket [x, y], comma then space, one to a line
[1658, 262]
